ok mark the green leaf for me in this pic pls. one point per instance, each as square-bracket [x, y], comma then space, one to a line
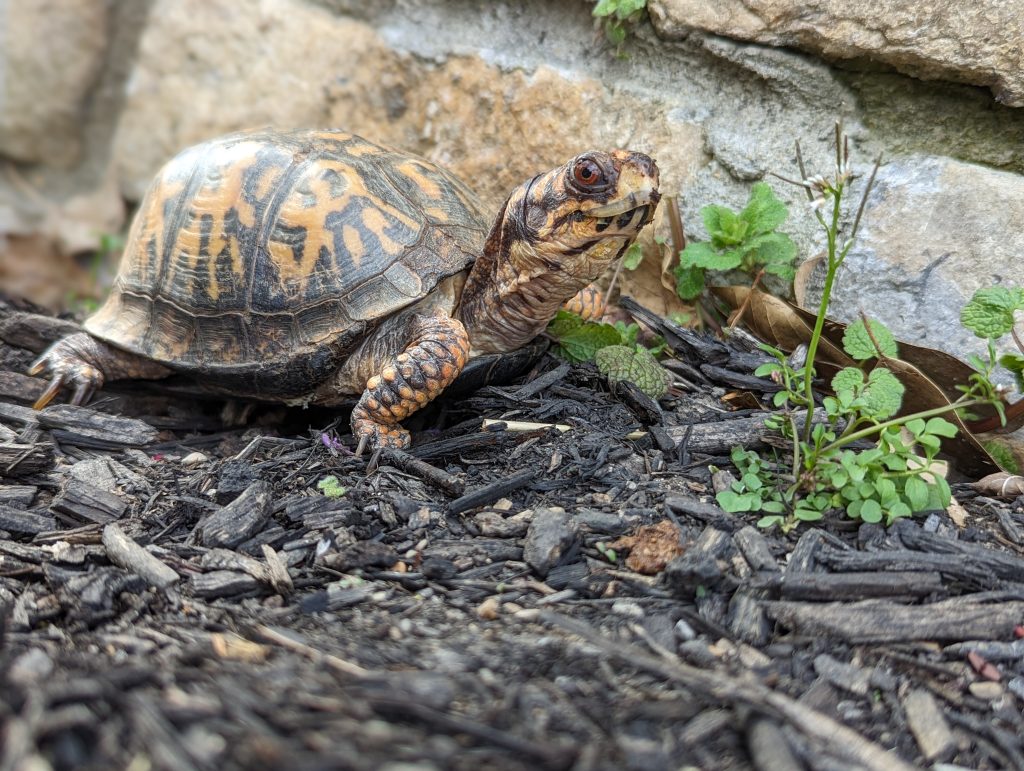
[721, 223]
[583, 342]
[628, 332]
[896, 511]
[735, 503]
[689, 282]
[871, 511]
[848, 379]
[563, 322]
[883, 394]
[764, 212]
[331, 487]
[941, 427]
[990, 311]
[767, 522]
[633, 257]
[807, 514]
[916, 492]
[701, 254]
[636, 364]
[857, 342]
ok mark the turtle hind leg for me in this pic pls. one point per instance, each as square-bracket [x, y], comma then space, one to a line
[87, 363]
[436, 350]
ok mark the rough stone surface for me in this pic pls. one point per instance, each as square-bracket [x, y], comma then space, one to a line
[976, 43]
[934, 231]
[552, 533]
[51, 52]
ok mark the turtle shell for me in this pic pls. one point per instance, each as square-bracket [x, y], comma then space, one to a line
[259, 260]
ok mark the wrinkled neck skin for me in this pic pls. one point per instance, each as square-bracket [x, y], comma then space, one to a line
[515, 289]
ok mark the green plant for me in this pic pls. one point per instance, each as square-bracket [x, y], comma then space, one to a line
[891, 478]
[745, 240]
[615, 16]
[613, 348]
[331, 487]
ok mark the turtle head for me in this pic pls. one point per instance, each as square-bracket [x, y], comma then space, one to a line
[578, 218]
[554, 235]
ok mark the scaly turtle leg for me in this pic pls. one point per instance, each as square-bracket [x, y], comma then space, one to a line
[588, 303]
[436, 350]
[88, 363]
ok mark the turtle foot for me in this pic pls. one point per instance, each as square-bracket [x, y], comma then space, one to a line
[65, 365]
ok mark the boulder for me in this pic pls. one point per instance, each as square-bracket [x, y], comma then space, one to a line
[51, 54]
[977, 43]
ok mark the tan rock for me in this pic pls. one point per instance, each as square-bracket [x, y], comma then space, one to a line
[51, 52]
[977, 43]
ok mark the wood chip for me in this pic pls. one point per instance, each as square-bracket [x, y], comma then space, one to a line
[126, 553]
[928, 725]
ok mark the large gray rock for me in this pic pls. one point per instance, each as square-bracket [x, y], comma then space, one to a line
[934, 231]
[968, 42]
[51, 53]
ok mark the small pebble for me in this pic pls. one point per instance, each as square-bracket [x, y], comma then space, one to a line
[986, 690]
[30, 667]
[489, 609]
[1016, 686]
[684, 631]
[631, 609]
[194, 459]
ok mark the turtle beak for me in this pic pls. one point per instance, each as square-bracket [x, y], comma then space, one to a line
[628, 214]
[636, 199]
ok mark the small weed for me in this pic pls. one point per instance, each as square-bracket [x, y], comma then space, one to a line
[745, 240]
[894, 477]
[331, 487]
[616, 16]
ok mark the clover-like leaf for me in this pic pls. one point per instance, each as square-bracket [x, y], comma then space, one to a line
[989, 313]
[883, 394]
[848, 379]
[857, 342]
[635, 364]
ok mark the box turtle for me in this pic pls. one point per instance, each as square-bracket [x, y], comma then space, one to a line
[308, 267]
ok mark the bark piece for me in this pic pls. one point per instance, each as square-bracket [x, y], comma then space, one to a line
[126, 553]
[239, 520]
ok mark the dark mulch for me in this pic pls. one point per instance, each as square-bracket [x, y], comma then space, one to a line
[180, 593]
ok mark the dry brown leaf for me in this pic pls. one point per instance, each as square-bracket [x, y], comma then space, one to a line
[803, 278]
[779, 323]
[651, 547]
[957, 513]
[230, 646]
[1001, 485]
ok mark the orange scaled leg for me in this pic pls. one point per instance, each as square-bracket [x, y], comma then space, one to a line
[436, 352]
[588, 303]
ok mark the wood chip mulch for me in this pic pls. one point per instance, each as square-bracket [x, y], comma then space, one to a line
[183, 587]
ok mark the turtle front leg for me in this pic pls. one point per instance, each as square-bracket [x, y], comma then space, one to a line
[587, 303]
[88, 363]
[436, 350]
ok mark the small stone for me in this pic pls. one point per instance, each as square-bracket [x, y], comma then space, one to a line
[489, 609]
[928, 725]
[684, 631]
[630, 609]
[986, 690]
[551, 538]
[30, 667]
[194, 459]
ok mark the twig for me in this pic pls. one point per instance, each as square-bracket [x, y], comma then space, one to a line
[335, 663]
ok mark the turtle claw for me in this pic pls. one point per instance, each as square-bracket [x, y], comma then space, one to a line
[65, 367]
[51, 390]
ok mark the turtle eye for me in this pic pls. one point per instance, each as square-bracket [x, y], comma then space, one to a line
[586, 173]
